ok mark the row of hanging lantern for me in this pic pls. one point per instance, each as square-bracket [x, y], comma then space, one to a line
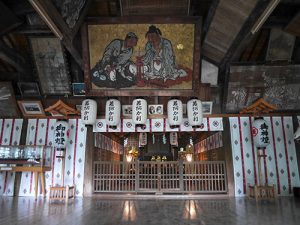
[139, 112]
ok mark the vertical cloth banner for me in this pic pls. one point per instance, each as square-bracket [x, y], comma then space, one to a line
[280, 166]
[41, 132]
[10, 134]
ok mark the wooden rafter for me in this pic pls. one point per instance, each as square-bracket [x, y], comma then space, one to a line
[12, 57]
[53, 19]
[259, 107]
[8, 19]
[293, 26]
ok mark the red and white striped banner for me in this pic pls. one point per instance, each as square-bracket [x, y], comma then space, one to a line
[41, 132]
[10, 134]
[159, 125]
[278, 168]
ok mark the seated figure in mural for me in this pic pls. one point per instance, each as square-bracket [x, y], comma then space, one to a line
[115, 69]
[159, 59]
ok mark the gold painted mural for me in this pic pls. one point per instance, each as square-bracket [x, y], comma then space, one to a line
[141, 56]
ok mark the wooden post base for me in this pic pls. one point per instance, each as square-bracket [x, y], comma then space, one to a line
[62, 193]
[262, 192]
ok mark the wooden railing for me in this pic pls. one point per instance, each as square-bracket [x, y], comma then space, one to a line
[160, 177]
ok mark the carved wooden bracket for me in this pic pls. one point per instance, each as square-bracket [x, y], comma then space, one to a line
[259, 107]
[61, 109]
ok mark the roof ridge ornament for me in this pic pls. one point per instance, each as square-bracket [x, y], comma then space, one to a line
[61, 109]
[258, 107]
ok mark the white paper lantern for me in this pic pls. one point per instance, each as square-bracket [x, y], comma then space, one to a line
[61, 134]
[88, 112]
[194, 112]
[260, 133]
[112, 112]
[139, 111]
[175, 112]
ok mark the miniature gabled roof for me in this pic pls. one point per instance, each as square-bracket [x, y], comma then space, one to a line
[61, 108]
[259, 106]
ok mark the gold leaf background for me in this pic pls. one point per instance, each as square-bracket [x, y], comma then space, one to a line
[101, 35]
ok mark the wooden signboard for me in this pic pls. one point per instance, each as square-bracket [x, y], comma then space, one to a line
[278, 85]
[51, 65]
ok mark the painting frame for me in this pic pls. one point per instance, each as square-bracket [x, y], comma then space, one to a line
[280, 46]
[29, 89]
[156, 110]
[50, 64]
[207, 108]
[127, 110]
[78, 89]
[31, 108]
[195, 77]
[243, 88]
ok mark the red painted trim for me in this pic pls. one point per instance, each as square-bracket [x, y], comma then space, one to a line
[10, 143]
[30, 187]
[208, 126]
[46, 143]
[242, 155]
[36, 131]
[47, 127]
[1, 137]
[286, 155]
[121, 125]
[2, 131]
[275, 155]
[265, 166]
[150, 122]
[75, 148]
[253, 151]
[35, 139]
[165, 124]
[5, 182]
[12, 132]
[53, 163]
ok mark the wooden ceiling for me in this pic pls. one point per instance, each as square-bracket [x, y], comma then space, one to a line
[229, 18]
[226, 29]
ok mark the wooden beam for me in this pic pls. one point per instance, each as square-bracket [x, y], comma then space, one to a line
[245, 31]
[33, 29]
[21, 8]
[84, 11]
[209, 18]
[294, 26]
[8, 19]
[242, 35]
[50, 15]
[54, 20]
[11, 56]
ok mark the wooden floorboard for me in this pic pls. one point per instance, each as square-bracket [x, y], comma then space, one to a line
[97, 210]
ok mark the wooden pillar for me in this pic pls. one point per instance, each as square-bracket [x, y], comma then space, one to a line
[296, 123]
[228, 156]
[88, 165]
